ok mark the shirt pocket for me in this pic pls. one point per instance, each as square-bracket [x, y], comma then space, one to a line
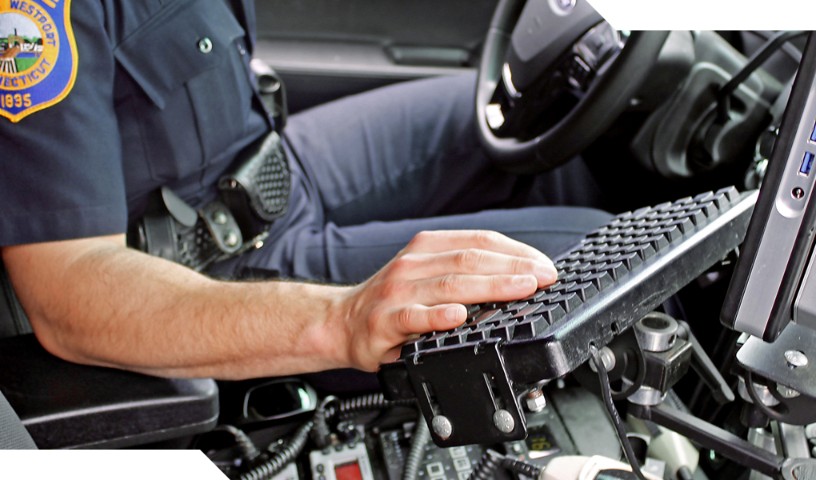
[189, 62]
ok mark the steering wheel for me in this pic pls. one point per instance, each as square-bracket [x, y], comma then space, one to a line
[553, 77]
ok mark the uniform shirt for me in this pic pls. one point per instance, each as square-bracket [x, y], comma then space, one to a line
[163, 96]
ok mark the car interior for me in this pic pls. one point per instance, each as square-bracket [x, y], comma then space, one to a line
[675, 342]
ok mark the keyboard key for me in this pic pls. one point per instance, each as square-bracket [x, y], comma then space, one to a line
[586, 290]
[530, 328]
[616, 270]
[527, 311]
[515, 306]
[697, 216]
[569, 301]
[684, 224]
[631, 260]
[503, 331]
[552, 312]
[487, 315]
[671, 232]
[601, 280]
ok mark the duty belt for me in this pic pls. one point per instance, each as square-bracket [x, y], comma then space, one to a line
[253, 196]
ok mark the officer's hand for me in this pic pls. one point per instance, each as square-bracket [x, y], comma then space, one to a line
[425, 286]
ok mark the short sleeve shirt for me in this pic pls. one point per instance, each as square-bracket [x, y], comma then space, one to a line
[162, 96]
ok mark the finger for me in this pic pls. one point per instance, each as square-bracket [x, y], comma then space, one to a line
[444, 240]
[473, 261]
[458, 288]
[422, 319]
[391, 355]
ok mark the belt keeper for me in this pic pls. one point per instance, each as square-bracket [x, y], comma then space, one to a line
[222, 227]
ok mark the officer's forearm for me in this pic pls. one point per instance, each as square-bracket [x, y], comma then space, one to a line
[94, 301]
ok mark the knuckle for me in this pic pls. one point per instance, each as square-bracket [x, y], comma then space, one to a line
[500, 284]
[450, 284]
[486, 237]
[420, 238]
[522, 265]
[376, 318]
[390, 289]
[405, 318]
[403, 263]
[469, 259]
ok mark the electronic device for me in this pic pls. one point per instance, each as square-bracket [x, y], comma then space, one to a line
[772, 284]
[606, 283]
[456, 463]
[342, 462]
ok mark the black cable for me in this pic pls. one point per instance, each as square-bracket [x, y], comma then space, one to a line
[491, 460]
[321, 434]
[332, 408]
[354, 405]
[766, 410]
[375, 401]
[637, 383]
[487, 466]
[418, 442]
[245, 444]
[522, 468]
[606, 393]
[277, 461]
[759, 57]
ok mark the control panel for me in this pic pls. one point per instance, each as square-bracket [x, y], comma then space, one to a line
[437, 463]
[341, 462]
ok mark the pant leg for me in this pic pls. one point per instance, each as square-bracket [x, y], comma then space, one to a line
[411, 150]
[350, 254]
[371, 170]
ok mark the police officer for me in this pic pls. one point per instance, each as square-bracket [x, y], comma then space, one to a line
[117, 99]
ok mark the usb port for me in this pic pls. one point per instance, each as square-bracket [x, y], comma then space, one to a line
[807, 164]
[813, 134]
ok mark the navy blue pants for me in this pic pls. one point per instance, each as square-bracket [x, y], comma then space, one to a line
[372, 170]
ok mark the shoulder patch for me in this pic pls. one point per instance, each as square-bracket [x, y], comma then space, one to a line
[38, 55]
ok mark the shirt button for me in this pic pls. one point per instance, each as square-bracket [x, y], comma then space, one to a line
[205, 45]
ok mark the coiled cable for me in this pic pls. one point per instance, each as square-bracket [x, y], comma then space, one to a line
[249, 451]
[332, 408]
[487, 466]
[321, 434]
[277, 461]
[375, 401]
[521, 468]
[418, 442]
[492, 460]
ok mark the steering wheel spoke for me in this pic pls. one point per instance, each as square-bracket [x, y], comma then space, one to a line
[593, 53]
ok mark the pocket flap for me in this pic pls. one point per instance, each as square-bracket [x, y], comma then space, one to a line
[184, 39]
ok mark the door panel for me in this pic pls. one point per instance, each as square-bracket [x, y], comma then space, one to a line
[325, 49]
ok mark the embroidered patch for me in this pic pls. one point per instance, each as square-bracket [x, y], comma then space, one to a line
[38, 57]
